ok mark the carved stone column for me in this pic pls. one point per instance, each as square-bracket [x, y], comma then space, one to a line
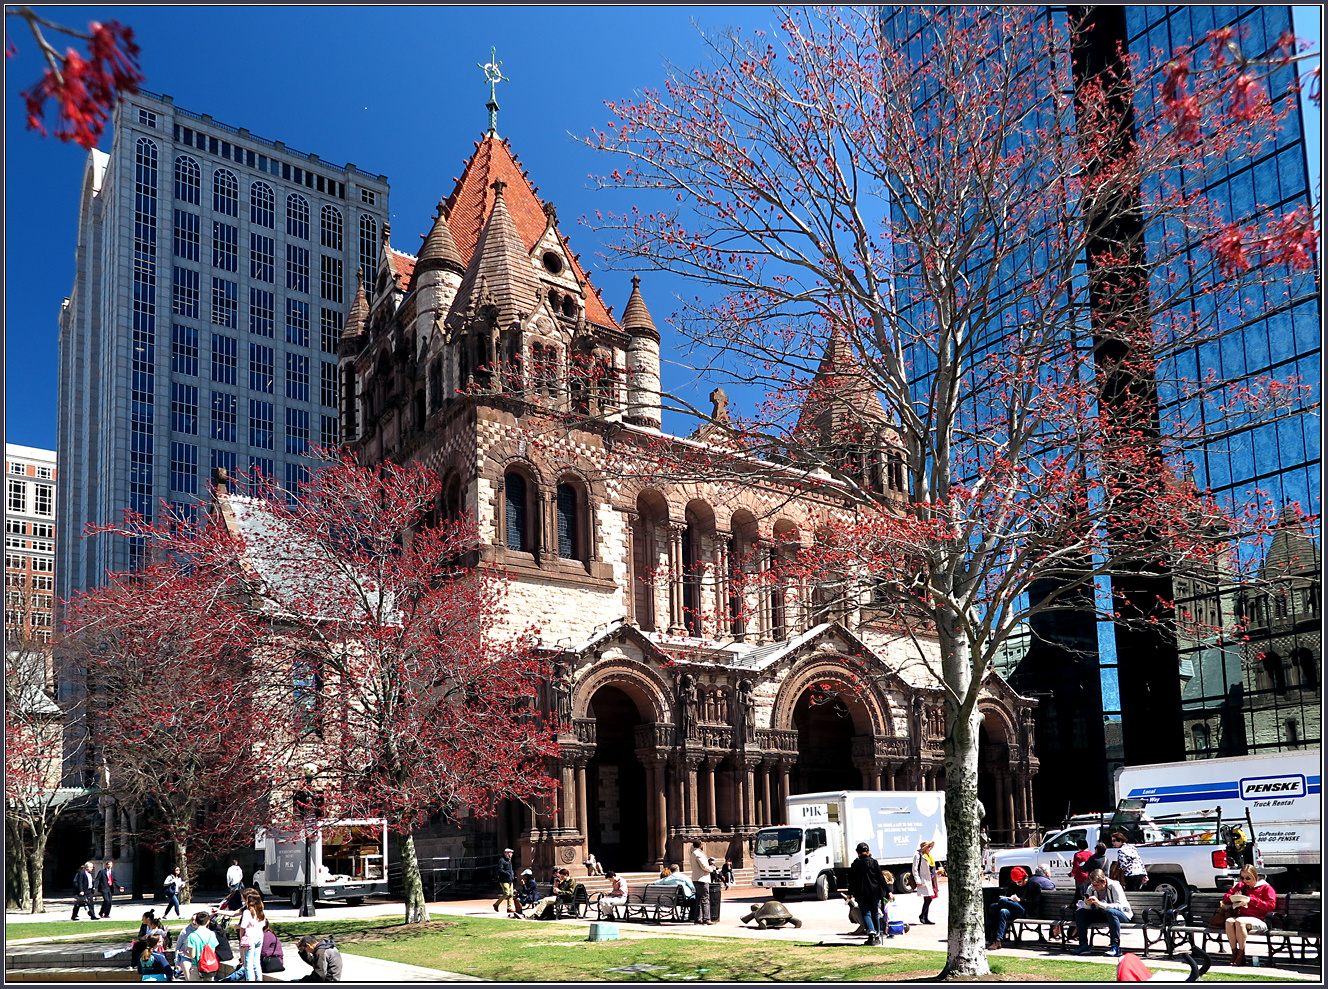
[762, 592]
[1009, 803]
[692, 764]
[888, 776]
[629, 520]
[749, 791]
[656, 809]
[567, 798]
[711, 809]
[784, 767]
[677, 626]
[582, 810]
[768, 815]
[721, 558]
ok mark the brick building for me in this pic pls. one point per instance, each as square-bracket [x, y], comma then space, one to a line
[686, 697]
[30, 479]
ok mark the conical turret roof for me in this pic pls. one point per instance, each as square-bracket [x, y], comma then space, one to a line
[841, 403]
[357, 320]
[439, 250]
[636, 317]
[500, 272]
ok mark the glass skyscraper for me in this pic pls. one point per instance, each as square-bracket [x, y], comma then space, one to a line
[214, 270]
[1104, 690]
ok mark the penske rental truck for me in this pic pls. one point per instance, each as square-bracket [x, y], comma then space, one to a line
[814, 850]
[349, 862]
[1280, 791]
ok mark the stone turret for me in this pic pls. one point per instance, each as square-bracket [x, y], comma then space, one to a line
[643, 398]
[354, 336]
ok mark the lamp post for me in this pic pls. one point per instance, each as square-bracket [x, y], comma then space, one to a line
[310, 822]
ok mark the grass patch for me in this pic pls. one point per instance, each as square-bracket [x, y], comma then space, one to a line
[506, 950]
[99, 931]
[96, 930]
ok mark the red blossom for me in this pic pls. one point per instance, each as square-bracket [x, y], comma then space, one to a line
[1229, 251]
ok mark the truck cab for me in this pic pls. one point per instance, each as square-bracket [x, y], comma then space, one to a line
[797, 856]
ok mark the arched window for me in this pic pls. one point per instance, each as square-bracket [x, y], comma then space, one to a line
[1200, 733]
[1307, 669]
[516, 517]
[569, 536]
[436, 384]
[225, 192]
[452, 504]
[1274, 673]
[369, 247]
[331, 227]
[188, 181]
[297, 216]
[262, 205]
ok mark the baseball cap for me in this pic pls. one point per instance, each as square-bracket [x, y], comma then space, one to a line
[1018, 874]
[508, 851]
[526, 872]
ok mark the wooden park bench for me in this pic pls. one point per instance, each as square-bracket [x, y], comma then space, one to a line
[1051, 924]
[656, 903]
[1294, 926]
[578, 906]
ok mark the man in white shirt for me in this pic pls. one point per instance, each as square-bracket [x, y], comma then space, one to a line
[700, 870]
[234, 875]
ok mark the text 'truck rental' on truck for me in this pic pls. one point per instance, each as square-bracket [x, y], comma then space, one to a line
[814, 850]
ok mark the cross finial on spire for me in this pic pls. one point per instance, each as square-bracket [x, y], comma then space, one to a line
[493, 73]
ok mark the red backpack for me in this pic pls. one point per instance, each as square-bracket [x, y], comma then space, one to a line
[207, 959]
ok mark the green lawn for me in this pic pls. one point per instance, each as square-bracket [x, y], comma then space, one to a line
[515, 951]
[95, 930]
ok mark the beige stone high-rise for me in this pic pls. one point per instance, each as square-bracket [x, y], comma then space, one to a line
[683, 670]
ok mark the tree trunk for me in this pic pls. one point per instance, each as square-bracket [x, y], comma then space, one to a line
[16, 865]
[182, 864]
[36, 859]
[966, 953]
[416, 911]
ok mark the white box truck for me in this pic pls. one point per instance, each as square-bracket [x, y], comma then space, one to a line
[1281, 791]
[814, 850]
[349, 861]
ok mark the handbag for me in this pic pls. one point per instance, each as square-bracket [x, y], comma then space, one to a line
[1115, 872]
[1225, 911]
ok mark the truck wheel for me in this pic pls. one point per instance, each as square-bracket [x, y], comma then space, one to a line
[354, 901]
[905, 883]
[1180, 892]
[779, 894]
[296, 898]
[823, 887]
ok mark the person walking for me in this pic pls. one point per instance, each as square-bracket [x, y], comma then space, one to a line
[700, 875]
[1254, 899]
[170, 888]
[1133, 874]
[507, 884]
[925, 876]
[234, 876]
[251, 925]
[1104, 902]
[864, 882]
[105, 884]
[84, 884]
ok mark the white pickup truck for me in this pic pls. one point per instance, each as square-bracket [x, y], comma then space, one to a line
[1177, 855]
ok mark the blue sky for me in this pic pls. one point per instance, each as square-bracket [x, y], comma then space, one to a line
[394, 90]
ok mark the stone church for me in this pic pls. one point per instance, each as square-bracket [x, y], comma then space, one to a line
[684, 685]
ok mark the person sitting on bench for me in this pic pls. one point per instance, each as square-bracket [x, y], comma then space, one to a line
[1104, 903]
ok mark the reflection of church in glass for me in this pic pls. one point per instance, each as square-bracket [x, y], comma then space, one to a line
[1261, 692]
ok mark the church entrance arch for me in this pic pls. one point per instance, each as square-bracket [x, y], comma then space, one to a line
[616, 782]
[993, 778]
[825, 745]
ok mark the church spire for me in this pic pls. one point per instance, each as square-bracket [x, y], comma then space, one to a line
[493, 72]
[500, 272]
[357, 320]
[439, 249]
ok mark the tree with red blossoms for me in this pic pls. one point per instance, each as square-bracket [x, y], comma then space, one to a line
[167, 679]
[84, 89]
[390, 668]
[971, 286]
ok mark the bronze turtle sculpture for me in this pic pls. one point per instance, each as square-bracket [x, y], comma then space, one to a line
[771, 913]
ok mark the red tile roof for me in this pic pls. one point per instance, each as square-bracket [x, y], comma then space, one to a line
[472, 199]
[403, 264]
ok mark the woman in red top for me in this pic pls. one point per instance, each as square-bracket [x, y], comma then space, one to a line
[1254, 899]
[1078, 867]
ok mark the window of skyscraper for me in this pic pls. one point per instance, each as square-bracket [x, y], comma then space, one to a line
[188, 180]
[329, 330]
[262, 368]
[225, 246]
[225, 303]
[184, 407]
[367, 196]
[297, 377]
[262, 258]
[297, 268]
[18, 496]
[184, 292]
[225, 360]
[184, 467]
[223, 417]
[225, 460]
[328, 384]
[261, 424]
[297, 431]
[331, 227]
[186, 235]
[225, 192]
[262, 205]
[329, 435]
[331, 279]
[297, 216]
[262, 317]
[297, 322]
[368, 246]
[297, 476]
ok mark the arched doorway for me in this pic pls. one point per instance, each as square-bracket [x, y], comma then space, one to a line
[825, 746]
[616, 783]
[993, 766]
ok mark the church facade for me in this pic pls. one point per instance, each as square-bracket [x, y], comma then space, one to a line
[693, 690]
